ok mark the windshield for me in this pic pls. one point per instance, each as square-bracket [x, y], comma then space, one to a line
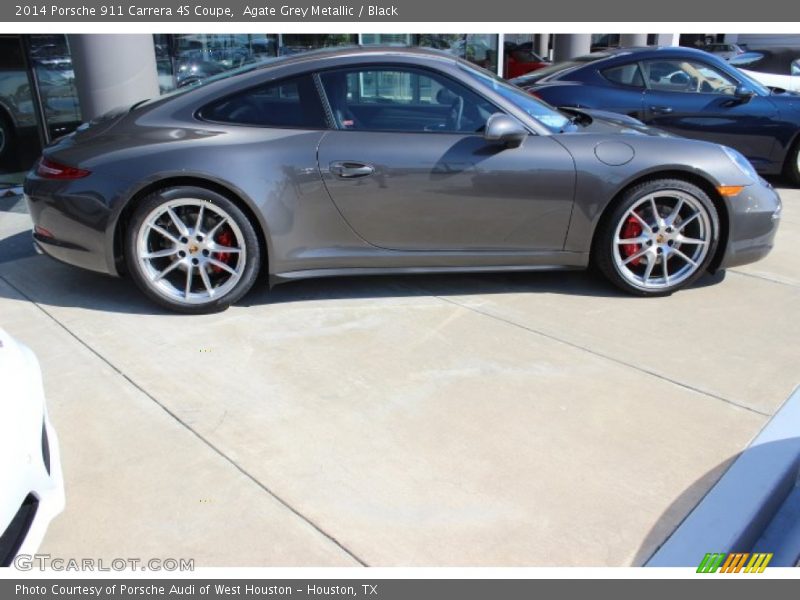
[542, 112]
[754, 85]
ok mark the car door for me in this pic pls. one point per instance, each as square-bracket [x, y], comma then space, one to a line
[698, 100]
[622, 90]
[409, 169]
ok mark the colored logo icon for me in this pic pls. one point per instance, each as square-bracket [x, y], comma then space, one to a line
[734, 562]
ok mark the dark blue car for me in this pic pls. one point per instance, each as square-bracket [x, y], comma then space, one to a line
[687, 92]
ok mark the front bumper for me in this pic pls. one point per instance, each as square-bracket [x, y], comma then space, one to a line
[31, 480]
[43, 502]
[753, 218]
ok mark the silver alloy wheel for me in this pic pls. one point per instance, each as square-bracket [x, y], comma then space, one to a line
[180, 252]
[662, 240]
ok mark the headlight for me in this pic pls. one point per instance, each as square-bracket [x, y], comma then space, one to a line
[740, 161]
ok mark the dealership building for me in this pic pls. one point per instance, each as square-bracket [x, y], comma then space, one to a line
[49, 84]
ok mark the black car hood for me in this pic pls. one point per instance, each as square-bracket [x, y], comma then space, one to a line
[605, 122]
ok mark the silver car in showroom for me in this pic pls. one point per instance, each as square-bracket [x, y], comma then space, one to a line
[386, 160]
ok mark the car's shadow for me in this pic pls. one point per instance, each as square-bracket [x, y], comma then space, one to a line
[49, 283]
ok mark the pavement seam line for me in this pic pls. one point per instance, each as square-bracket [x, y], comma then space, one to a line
[764, 278]
[198, 435]
[601, 355]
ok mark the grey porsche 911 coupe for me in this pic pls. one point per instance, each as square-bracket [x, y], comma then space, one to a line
[364, 161]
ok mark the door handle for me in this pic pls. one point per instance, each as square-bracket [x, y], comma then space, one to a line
[350, 169]
[661, 110]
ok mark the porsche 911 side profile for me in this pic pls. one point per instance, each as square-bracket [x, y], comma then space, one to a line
[386, 160]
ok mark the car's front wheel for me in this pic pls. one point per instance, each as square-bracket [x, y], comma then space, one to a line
[792, 170]
[6, 137]
[191, 250]
[658, 238]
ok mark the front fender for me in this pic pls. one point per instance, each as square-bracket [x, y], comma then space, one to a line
[598, 184]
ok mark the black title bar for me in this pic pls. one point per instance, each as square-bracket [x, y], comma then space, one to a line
[419, 11]
[733, 587]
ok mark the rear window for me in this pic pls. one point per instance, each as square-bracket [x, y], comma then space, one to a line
[289, 103]
[628, 75]
[559, 69]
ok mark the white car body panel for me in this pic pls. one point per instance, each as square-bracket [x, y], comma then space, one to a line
[787, 82]
[22, 468]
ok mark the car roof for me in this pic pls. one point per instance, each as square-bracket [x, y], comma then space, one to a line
[252, 72]
[345, 51]
[613, 57]
[325, 54]
[655, 51]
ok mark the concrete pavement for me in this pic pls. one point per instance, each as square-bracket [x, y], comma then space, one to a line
[526, 419]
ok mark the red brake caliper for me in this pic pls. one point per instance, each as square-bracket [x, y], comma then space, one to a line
[224, 238]
[631, 229]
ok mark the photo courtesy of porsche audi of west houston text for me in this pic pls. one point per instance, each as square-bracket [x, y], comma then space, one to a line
[195, 10]
[191, 589]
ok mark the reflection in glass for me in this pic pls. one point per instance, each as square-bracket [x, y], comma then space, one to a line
[51, 63]
[185, 59]
[478, 48]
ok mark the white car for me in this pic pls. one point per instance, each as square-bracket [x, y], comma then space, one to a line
[31, 482]
[774, 67]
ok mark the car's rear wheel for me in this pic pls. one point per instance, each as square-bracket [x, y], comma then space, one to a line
[192, 250]
[658, 238]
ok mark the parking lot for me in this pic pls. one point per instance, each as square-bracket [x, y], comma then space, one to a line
[499, 420]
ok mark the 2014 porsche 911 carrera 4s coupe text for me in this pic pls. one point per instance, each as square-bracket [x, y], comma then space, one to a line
[371, 161]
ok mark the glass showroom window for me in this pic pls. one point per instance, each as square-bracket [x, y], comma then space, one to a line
[185, 59]
[480, 49]
[52, 74]
[295, 43]
[386, 39]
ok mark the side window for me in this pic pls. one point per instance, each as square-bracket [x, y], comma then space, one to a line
[629, 75]
[396, 87]
[687, 76]
[290, 103]
[403, 99]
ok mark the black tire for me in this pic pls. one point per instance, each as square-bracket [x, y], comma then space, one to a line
[607, 255]
[247, 240]
[791, 169]
[7, 137]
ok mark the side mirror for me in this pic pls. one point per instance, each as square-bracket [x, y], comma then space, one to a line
[505, 130]
[743, 94]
